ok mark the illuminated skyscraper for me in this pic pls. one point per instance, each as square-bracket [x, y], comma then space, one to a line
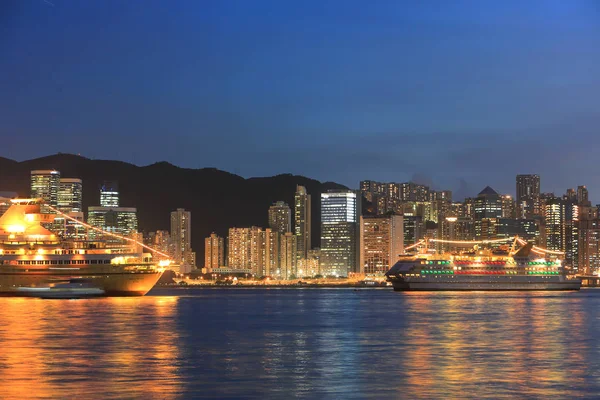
[528, 195]
[508, 207]
[181, 237]
[414, 229]
[70, 202]
[214, 251]
[555, 224]
[280, 217]
[381, 242]
[487, 211]
[302, 224]
[339, 233]
[109, 194]
[70, 195]
[287, 257]
[44, 185]
[119, 220]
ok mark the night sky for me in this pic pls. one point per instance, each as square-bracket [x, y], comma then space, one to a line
[458, 94]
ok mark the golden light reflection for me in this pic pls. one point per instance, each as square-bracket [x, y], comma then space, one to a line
[494, 345]
[89, 348]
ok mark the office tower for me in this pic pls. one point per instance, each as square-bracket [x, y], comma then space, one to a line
[526, 229]
[339, 232]
[508, 207]
[70, 195]
[214, 251]
[70, 202]
[44, 185]
[381, 242]
[302, 222]
[120, 220]
[555, 224]
[287, 256]
[487, 209]
[280, 217]
[414, 229]
[109, 194]
[181, 237]
[582, 196]
[528, 195]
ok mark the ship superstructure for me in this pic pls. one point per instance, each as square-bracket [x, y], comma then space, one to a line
[481, 269]
[33, 256]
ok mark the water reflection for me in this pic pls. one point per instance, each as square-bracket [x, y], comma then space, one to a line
[77, 348]
[303, 343]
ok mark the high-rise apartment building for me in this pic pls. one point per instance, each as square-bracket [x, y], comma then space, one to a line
[253, 249]
[44, 185]
[181, 237]
[339, 233]
[161, 241]
[302, 222]
[381, 242]
[571, 259]
[280, 217]
[287, 256]
[214, 251]
[109, 194]
[582, 196]
[555, 212]
[371, 190]
[528, 195]
[411, 191]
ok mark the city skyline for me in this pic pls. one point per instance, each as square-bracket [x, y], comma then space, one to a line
[432, 92]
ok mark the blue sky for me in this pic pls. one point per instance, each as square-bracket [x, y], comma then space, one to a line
[462, 94]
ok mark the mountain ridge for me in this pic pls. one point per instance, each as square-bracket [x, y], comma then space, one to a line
[217, 199]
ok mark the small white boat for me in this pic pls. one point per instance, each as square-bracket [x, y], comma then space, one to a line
[70, 290]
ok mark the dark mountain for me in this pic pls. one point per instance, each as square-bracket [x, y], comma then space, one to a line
[217, 199]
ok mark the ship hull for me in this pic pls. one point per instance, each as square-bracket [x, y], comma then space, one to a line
[479, 285]
[114, 284]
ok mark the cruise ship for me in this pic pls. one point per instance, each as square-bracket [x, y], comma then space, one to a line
[32, 256]
[481, 270]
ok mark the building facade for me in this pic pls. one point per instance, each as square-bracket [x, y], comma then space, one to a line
[214, 251]
[381, 242]
[528, 196]
[120, 220]
[181, 237]
[340, 233]
[44, 185]
[109, 194]
[302, 221]
[280, 217]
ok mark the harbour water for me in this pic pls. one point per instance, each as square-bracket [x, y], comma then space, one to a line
[307, 343]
